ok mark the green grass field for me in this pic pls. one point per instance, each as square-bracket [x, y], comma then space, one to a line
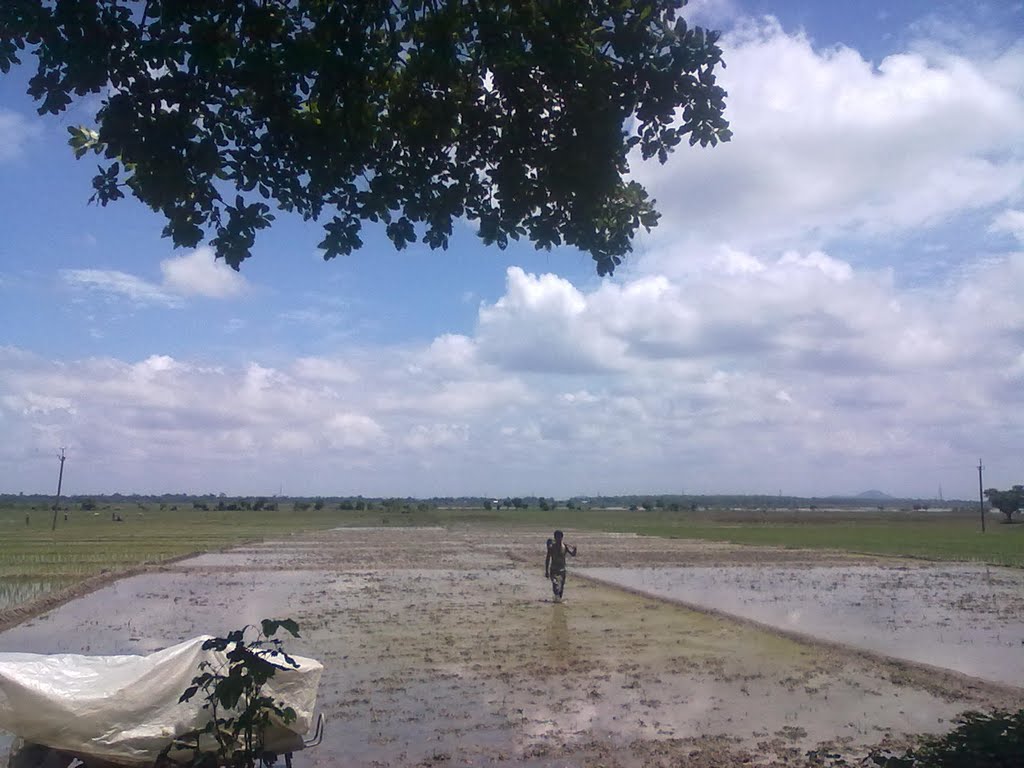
[89, 543]
[934, 540]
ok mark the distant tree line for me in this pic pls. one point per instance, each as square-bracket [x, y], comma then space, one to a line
[668, 503]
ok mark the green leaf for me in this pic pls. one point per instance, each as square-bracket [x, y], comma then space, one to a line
[290, 626]
[189, 693]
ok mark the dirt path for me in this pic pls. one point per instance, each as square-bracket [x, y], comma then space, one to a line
[442, 648]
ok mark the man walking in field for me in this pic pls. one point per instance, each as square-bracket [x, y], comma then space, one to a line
[554, 563]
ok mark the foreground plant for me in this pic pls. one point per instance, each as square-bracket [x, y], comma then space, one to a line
[241, 712]
[981, 740]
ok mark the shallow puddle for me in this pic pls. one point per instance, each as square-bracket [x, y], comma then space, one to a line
[144, 613]
[964, 618]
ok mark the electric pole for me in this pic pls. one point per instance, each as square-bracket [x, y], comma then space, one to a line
[60, 479]
[981, 497]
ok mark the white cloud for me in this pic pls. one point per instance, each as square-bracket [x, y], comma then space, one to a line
[527, 327]
[827, 144]
[450, 352]
[16, 131]
[798, 371]
[353, 430]
[1010, 221]
[430, 436]
[327, 371]
[31, 404]
[113, 282]
[196, 273]
[200, 274]
[711, 14]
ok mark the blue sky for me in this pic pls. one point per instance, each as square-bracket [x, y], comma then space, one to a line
[832, 303]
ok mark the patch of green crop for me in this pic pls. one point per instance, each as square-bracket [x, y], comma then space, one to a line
[89, 543]
[940, 540]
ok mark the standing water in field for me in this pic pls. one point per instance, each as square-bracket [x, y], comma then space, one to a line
[441, 646]
[969, 619]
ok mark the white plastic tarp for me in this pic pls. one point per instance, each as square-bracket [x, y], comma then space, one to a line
[125, 708]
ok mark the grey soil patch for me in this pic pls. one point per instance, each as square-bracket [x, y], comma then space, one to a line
[442, 649]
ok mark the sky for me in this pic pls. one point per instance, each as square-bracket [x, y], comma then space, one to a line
[833, 302]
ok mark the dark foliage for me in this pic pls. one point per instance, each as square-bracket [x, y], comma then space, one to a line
[1007, 502]
[980, 740]
[518, 116]
[233, 693]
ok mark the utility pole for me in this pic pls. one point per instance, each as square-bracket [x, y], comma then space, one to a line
[60, 479]
[981, 497]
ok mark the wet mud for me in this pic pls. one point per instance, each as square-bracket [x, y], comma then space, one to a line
[444, 647]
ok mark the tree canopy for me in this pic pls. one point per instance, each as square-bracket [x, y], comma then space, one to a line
[1007, 502]
[517, 116]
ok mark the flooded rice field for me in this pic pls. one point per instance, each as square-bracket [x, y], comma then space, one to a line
[965, 618]
[443, 648]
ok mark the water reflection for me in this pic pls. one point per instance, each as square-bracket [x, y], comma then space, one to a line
[558, 633]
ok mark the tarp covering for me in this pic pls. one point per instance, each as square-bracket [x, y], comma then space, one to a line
[125, 708]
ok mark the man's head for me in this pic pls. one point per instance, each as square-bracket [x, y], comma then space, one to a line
[558, 536]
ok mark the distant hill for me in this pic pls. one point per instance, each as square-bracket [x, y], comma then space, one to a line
[874, 495]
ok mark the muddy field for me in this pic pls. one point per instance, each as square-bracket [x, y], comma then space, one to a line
[443, 648]
[969, 619]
